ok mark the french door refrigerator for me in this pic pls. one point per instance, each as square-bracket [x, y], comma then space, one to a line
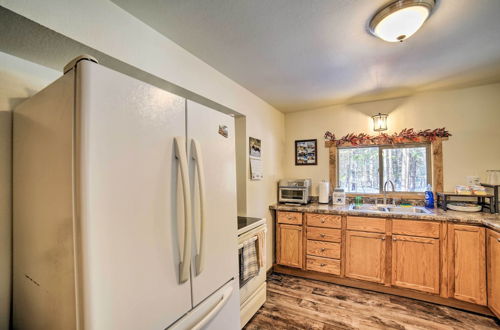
[124, 208]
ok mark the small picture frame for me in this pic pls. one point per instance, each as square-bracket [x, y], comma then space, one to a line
[254, 147]
[306, 152]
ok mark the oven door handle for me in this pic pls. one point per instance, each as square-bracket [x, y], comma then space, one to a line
[251, 239]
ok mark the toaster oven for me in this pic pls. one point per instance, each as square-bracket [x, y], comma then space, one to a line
[294, 191]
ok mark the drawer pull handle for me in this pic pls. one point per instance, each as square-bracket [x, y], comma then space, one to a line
[322, 249]
[323, 236]
[322, 265]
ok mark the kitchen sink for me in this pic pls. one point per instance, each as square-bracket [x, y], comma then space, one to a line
[413, 209]
[390, 209]
[367, 207]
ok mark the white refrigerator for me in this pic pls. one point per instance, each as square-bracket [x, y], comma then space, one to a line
[124, 208]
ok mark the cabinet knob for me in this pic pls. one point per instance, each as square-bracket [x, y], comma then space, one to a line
[322, 249]
[394, 239]
[498, 240]
[322, 220]
[383, 238]
[322, 265]
[322, 235]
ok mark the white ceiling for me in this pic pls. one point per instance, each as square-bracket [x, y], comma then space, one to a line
[303, 54]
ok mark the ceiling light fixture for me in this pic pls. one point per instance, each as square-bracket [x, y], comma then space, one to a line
[380, 122]
[400, 19]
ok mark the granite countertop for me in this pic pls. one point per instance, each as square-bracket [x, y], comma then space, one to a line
[478, 218]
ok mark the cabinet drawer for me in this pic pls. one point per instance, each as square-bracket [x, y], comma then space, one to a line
[374, 225]
[293, 218]
[324, 265]
[323, 249]
[323, 220]
[323, 234]
[416, 228]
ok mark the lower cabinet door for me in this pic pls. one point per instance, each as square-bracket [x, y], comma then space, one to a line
[415, 263]
[365, 256]
[468, 263]
[289, 245]
[493, 247]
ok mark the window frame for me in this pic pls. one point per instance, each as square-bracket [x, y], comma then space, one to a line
[381, 149]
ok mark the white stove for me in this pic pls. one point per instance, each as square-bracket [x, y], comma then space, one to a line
[247, 223]
[253, 292]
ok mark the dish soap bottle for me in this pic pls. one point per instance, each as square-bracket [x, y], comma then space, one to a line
[429, 197]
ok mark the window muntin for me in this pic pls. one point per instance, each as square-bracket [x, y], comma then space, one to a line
[365, 169]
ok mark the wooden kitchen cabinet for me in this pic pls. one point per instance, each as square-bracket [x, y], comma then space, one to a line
[415, 263]
[323, 249]
[323, 220]
[291, 218]
[467, 263]
[289, 250]
[449, 263]
[493, 269]
[324, 265]
[324, 234]
[365, 256]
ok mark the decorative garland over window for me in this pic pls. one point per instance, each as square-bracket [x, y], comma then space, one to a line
[407, 135]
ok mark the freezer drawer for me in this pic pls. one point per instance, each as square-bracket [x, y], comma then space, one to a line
[219, 311]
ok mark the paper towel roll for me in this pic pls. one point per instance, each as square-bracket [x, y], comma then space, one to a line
[324, 191]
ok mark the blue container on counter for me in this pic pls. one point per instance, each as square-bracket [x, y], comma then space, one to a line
[429, 197]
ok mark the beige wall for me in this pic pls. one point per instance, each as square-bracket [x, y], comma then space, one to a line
[18, 80]
[472, 115]
[107, 28]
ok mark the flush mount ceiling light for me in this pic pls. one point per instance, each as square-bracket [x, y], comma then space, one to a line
[400, 19]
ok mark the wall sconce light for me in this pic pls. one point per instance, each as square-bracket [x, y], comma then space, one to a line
[380, 122]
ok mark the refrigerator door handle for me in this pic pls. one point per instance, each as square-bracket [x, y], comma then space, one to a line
[181, 155]
[210, 315]
[198, 158]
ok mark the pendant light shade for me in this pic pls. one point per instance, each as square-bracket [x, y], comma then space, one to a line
[400, 19]
[380, 122]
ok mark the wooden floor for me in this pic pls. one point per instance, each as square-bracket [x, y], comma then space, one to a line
[297, 303]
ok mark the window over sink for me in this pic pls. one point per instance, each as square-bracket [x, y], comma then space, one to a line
[364, 170]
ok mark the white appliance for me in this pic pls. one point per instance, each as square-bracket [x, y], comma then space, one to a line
[252, 292]
[493, 177]
[124, 208]
[338, 196]
[324, 192]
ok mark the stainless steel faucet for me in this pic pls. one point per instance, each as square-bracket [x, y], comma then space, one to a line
[385, 190]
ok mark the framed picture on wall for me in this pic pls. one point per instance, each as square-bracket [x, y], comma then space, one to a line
[306, 152]
[254, 147]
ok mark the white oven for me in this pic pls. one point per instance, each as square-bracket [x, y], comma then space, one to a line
[252, 292]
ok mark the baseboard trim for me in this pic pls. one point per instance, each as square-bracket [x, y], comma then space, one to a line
[270, 271]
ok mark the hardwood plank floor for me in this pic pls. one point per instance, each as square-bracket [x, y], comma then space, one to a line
[297, 303]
